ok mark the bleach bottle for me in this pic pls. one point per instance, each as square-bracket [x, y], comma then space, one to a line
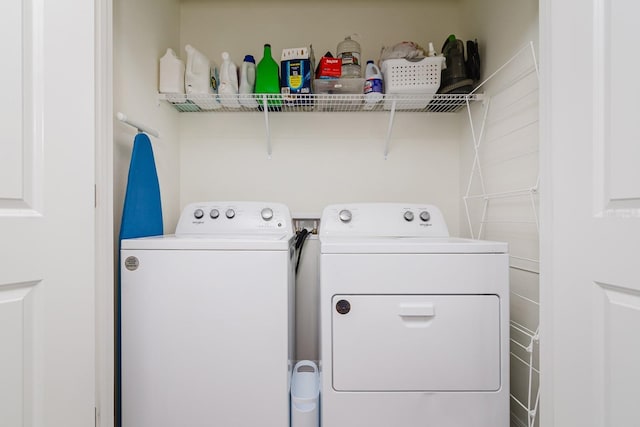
[248, 82]
[228, 89]
[200, 79]
[171, 73]
[372, 86]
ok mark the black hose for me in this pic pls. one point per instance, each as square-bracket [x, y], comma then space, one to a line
[301, 237]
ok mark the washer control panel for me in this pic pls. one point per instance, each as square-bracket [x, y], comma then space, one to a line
[383, 220]
[234, 217]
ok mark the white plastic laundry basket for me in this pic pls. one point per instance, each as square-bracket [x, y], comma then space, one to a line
[411, 78]
[305, 395]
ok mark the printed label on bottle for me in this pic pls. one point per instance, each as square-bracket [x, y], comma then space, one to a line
[295, 75]
[373, 85]
[350, 58]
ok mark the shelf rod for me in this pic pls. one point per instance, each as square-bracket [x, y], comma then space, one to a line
[520, 403]
[265, 107]
[526, 270]
[140, 127]
[512, 131]
[524, 362]
[508, 108]
[392, 115]
[522, 346]
[511, 158]
[525, 298]
[520, 258]
[522, 329]
[511, 193]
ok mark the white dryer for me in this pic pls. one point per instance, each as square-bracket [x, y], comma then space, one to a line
[414, 324]
[208, 319]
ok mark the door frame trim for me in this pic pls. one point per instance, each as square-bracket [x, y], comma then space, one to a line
[104, 214]
[547, 417]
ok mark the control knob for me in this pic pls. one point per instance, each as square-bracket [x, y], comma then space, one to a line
[408, 215]
[425, 216]
[267, 214]
[230, 213]
[345, 215]
[214, 213]
[198, 213]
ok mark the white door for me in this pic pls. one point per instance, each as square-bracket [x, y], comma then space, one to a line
[590, 300]
[47, 322]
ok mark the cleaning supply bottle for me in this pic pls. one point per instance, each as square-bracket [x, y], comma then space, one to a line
[349, 53]
[248, 82]
[268, 78]
[171, 73]
[432, 50]
[200, 79]
[372, 85]
[228, 88]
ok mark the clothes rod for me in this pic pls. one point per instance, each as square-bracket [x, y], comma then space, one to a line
[141, 128]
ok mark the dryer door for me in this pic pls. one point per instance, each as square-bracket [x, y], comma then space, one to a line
[416, 343]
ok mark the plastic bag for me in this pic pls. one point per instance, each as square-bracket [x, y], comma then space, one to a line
[406, 50]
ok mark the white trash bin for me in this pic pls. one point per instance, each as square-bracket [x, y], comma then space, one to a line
[305, 395]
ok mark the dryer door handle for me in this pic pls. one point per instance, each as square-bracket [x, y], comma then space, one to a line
[417, 310]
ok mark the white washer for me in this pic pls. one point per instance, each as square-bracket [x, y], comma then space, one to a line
[414, 324]
[208, 319]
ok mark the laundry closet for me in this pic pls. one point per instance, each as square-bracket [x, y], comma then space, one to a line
[479, 165]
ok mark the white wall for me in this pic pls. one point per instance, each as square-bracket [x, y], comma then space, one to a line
[143, 30]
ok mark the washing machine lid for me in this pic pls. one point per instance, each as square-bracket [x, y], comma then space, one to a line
[239, 242]
[408, 245]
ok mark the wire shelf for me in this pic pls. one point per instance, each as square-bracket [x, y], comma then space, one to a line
[431, 103]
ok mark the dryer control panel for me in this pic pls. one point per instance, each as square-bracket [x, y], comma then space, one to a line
[206, 218]
[383, 220]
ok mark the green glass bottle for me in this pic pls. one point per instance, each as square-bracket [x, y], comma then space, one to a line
[268, 78]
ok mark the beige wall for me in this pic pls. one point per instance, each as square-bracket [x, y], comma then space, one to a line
[143, 30]
[318, 158]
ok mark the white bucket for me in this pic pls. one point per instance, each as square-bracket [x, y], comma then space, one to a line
[305, 395]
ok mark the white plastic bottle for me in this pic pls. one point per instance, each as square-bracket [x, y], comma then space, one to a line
[372, 86]
[171, 73]
[228, 89]
[349, 51]
[200, 79]
[432, 50]
[248, 82]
